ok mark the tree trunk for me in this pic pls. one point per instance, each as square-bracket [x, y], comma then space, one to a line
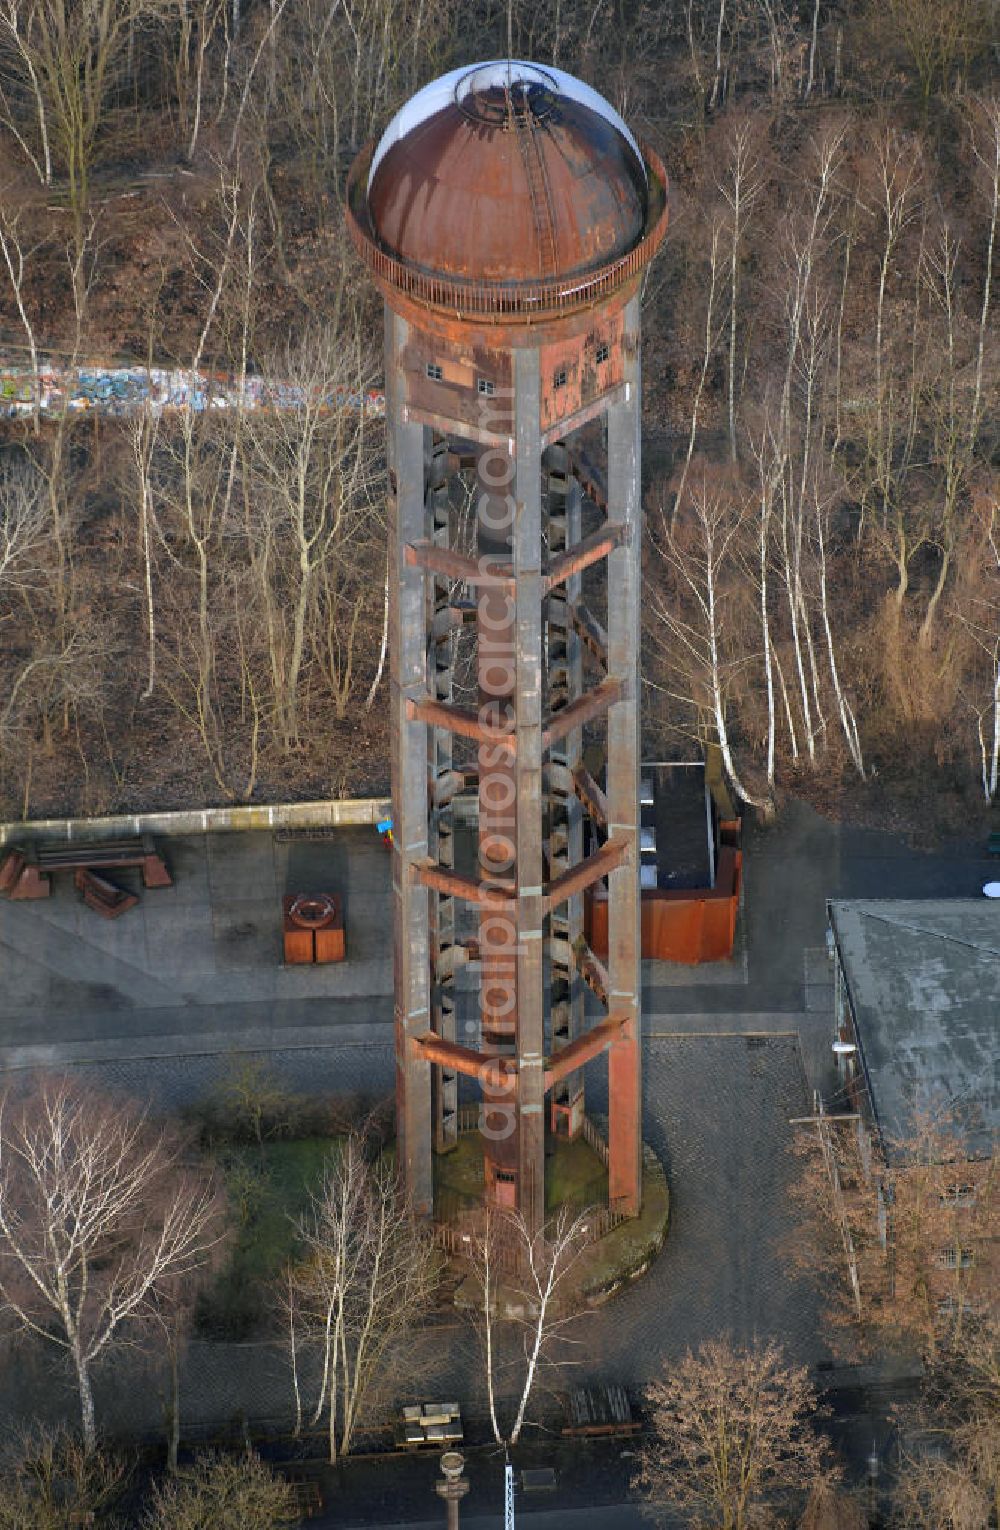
[87, 1419]
[383, 648]
[812, 50]
[174, 1438]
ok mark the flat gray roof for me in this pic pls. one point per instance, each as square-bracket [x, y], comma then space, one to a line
[924, 983]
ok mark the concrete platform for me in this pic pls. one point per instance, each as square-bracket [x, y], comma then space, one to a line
[155, 1004]
[201, 958]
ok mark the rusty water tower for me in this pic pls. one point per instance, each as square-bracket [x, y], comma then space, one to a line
[508, 215]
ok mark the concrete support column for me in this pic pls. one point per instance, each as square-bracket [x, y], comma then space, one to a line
[497, 676]
[624, 939]
[408, 684]
[564, 660]
[443, 783]
[527, 552]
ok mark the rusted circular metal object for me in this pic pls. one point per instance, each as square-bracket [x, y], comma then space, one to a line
[506, 193]
[311, 911]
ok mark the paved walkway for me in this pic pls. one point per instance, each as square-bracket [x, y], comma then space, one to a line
[156, 1004]
[197, 966]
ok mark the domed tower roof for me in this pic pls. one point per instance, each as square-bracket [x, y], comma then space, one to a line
[506, 187]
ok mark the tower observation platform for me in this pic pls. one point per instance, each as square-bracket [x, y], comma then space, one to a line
[508, 214]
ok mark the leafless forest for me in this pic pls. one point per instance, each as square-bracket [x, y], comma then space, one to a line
[191, 607]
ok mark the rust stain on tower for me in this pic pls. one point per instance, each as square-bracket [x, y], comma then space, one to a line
[508, 215]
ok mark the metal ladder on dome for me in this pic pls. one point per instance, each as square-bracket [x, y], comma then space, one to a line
[542, 210]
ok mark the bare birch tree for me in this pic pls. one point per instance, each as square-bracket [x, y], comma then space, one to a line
[69, 54]
[806, 240]
[98, 1211]
[899, 356]
[988, 726]
[524, 1308]
[199, 22]
[24, 529]
[740, 188]
[712, 333]
[314, 473]
[16, 32]
[368, 1275]
[695, 614]
[17, 255]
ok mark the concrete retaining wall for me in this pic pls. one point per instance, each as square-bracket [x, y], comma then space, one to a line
[342, 813]
[348, 812]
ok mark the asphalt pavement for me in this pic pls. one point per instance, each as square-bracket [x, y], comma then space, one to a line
[158, 1003]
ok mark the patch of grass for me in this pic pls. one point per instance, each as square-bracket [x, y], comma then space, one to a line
[574, 1175]
[627, 1249]
[268, 1189]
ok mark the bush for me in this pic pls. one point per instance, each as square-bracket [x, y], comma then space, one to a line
[222, 1493]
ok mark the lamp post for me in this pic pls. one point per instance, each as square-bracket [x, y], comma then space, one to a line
[454, 1487]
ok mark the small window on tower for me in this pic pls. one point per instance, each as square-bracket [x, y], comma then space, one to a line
[434, 372]
[602, 354]
[559, 378]
[486, 387]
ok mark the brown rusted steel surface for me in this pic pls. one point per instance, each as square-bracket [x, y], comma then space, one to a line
[606, 859]
[455, 565]
[591, 796]
[585, 554]
[459, 886]
[583, 1048]
[494, 188]
[584, 709]
[471, 292]
[593, 972]
[467, 1060]
[496, 656]
[689, 926]
[509, 232]
[592, 634]
[461, 720]
[495, 331]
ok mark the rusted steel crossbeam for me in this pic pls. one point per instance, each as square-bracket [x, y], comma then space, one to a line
[592, 635]
[590, 794]
[593, 971]
[583, 1048]
[585, 874]
[455, 565]
[461, 720]
[451, 1054]
[590, 478]
[456, 885]
[581, 711]
[591, 549]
